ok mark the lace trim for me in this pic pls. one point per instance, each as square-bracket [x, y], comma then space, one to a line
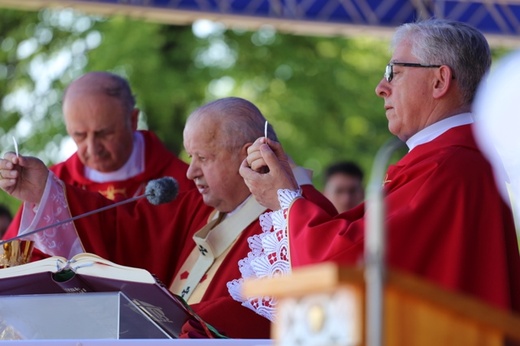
[269, 255]
[61, 240]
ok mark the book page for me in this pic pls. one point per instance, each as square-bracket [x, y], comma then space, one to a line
[50, 264]
[82, 264]
[93, 265]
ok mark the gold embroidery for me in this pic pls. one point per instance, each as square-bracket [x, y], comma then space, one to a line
[111, 192]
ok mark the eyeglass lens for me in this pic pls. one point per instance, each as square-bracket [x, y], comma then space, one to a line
[389, 73]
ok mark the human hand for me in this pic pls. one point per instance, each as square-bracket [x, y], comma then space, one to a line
[23, 177]
[278, 175]
[254, 157]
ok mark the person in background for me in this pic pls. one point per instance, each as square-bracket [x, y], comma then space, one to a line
[5, 219]
[113, 158]
[196, 243]
[343, 185]
[445, 219]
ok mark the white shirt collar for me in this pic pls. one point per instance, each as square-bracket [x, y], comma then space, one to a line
[134, 166]
[435, 130]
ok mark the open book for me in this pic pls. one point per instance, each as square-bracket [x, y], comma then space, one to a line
[87, 272]
[84, 264]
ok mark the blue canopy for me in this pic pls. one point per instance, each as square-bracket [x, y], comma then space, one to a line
[493, 17]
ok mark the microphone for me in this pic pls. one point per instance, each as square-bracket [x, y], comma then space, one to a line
[161, 190]
[157, 191]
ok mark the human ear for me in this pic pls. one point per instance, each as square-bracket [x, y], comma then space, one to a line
[444, 77]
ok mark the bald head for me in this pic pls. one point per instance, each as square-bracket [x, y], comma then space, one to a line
[105, 83]
[234, 121]
[99, 114]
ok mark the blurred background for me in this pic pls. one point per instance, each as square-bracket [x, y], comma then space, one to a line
[317, 90]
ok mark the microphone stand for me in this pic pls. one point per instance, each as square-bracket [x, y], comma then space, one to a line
[73, 218]
[375, 244]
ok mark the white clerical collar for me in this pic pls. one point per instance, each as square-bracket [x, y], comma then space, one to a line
[435, 130]
[134, 166]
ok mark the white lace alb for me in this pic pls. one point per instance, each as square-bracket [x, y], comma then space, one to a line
[269, 255]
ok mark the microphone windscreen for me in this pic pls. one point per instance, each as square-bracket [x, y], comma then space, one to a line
[162, 190]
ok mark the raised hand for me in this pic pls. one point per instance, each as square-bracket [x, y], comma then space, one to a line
[23, 177]
[267, 156]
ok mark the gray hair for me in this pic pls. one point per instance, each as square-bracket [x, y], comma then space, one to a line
[444, 42]
[240, 121]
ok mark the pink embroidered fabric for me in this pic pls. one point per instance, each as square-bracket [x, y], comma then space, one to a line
[61, 240]
[269, 256]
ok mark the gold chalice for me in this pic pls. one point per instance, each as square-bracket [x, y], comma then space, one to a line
[16, 252]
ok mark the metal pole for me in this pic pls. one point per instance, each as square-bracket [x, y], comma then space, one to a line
[375, 245]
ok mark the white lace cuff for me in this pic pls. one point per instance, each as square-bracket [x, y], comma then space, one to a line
[286, 197]
[61, 240]
[269, 255]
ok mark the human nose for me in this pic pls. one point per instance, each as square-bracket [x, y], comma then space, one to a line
[383, 88]
[93, 146]
[193, 170]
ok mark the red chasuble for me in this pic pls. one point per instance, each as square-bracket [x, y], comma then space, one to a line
[159, 162]
[446, 222]
[160, 238]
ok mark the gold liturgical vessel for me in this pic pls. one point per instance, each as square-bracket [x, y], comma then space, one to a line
[16, 252]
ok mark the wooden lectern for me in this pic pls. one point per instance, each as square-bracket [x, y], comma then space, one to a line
[324, 304]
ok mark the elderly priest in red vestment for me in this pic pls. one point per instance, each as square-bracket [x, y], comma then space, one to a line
[113, 157]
